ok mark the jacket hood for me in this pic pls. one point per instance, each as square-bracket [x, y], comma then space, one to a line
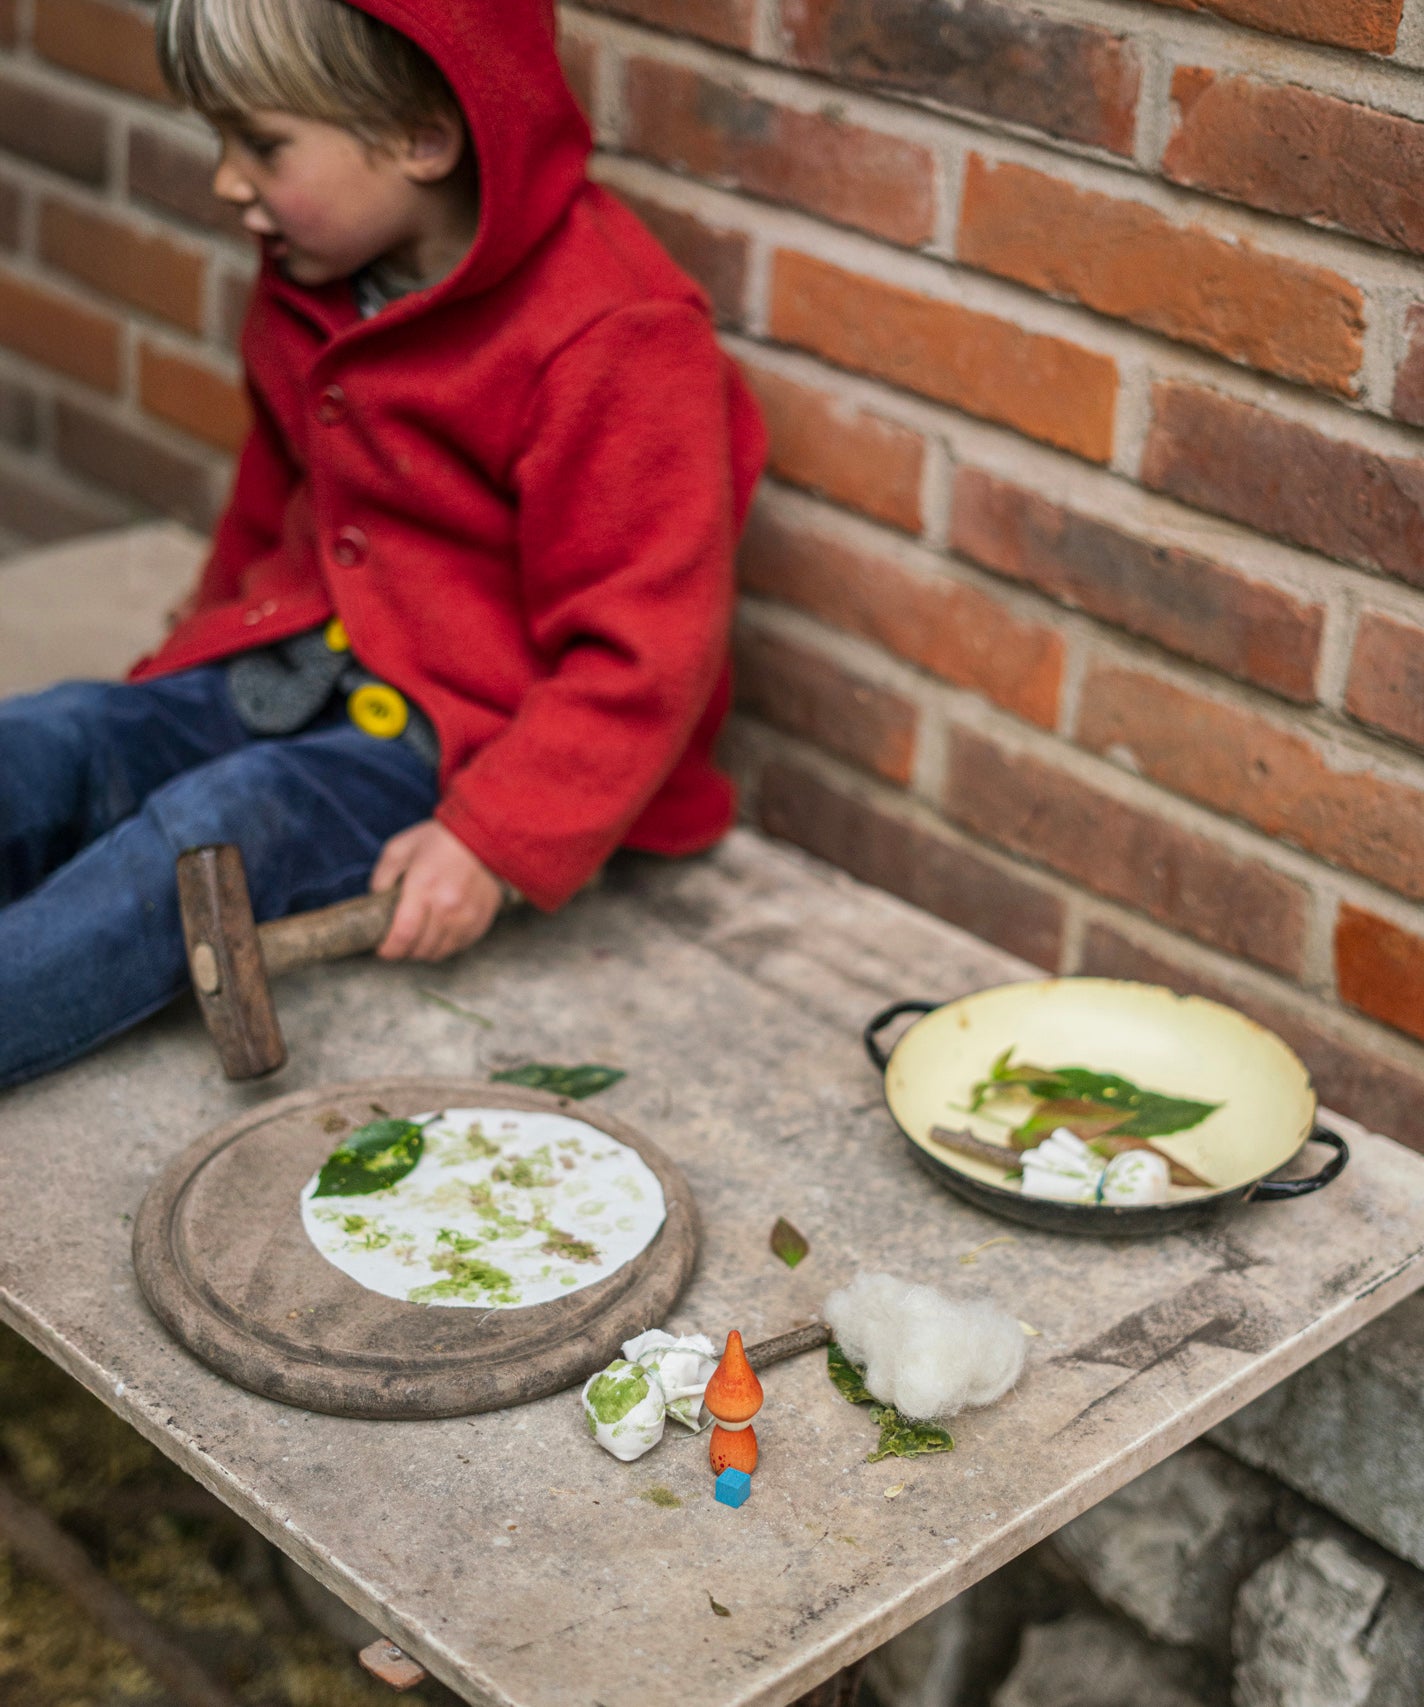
[527, 132]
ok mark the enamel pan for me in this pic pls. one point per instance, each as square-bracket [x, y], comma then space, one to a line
[1179, 1045]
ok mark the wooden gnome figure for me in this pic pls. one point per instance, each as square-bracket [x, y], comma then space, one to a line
[733, 1397]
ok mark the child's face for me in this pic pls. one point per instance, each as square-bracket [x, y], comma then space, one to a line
[324, 202]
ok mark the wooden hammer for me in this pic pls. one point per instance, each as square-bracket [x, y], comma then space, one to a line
[233, 959]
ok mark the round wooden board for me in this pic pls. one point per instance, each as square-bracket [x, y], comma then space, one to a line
[225, 1263]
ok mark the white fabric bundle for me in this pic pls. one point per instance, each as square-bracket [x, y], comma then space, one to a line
[683, 1366]
[922, 1353]
[1065, 1169]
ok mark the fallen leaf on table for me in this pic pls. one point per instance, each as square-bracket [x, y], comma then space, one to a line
[1032, 1332]
[787, 1243]
[718, 1608]
[973, 1256]
[894, 1491]
[455, 1008]
[575, 1082]
[900, 1437]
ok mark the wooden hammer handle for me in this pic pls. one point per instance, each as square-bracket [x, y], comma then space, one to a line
[330, 933]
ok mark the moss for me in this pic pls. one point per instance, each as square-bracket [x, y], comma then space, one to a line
[661, 1496]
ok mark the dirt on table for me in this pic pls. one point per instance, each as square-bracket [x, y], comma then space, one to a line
[212, 1583]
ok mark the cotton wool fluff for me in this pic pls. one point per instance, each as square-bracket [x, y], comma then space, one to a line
[922, 1353]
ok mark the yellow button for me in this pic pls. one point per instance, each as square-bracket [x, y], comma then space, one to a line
[379, 710]
[337, 639]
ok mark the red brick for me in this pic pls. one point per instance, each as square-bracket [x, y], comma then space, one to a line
[956, 632]
[59, 333]
[177, 176]
[38, 505]
[1126, 259]
[234, 297]
[1044, 386]
[1186, 603]
[1371, 26]
[715, 257]
[10, 206]
[1387, 677]
[1239, 763]
[1408, 401]
[111, 43]
[19, 414]
[805, 694]
[934, 871]
[842, 452]
[579, 58]
[207, 405]
[980, 55]
[136, 464]
[9, 22]
[1379, 968]
[815, 161]
[67, 135]
[1127, 854]
[146, 269]
[727, 22]
[1287, 479]
[1358, 1082]
[1309, 156]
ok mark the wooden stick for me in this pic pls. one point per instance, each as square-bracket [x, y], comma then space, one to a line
[980, 1148]
[792, 1344]
[38, 1542]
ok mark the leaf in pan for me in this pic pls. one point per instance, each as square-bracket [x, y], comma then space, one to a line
[1139, 1113]
[371, 1158]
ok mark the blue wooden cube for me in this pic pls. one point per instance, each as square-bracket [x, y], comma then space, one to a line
[733, 1486]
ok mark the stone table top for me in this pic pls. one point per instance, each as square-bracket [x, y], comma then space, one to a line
[516, 1560]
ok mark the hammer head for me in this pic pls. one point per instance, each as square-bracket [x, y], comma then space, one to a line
[225, 960]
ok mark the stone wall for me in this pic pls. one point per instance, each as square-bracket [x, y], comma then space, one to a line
[1085, 604]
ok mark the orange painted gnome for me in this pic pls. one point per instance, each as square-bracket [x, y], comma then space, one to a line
[734, 1397]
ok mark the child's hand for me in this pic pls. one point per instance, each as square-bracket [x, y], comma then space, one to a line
[450, 897]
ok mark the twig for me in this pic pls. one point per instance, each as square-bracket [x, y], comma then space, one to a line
[38, 1542]
[767, 1352]
[980, 1148]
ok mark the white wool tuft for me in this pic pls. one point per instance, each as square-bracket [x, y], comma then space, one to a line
[922, 1353]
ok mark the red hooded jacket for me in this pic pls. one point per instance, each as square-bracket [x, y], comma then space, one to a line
[520, 490]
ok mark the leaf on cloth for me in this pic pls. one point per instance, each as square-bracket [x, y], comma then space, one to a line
[576, 1082]
[374, 1156]
[788, 1243]
[899, 1436]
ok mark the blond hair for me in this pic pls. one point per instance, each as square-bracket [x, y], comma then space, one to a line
[320, 59]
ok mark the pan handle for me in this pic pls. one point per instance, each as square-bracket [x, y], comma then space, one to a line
[872, 1032]
[1277, 1190]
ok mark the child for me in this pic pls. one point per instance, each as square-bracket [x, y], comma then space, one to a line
[464, 622]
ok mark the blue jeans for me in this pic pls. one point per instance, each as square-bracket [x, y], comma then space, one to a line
[103, 785]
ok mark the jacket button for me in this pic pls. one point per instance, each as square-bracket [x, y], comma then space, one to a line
[331, 406]
[350, 548]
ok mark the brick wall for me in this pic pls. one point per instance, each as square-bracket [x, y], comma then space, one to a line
[1085, 603]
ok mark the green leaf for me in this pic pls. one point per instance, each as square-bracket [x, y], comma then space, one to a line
[374, 1156]
[576, 1082]
[455, 1008]
[718, 1608]
[901, 1438]
[1089, 1103]
[787, 1243]
[850, 1384]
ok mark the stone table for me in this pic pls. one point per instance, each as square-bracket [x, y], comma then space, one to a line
[511, 1556]
[518, 1562]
